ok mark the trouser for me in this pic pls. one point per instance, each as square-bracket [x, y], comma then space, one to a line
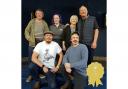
[79, 80]
[90, 54]
[30, 51]
[35, 70]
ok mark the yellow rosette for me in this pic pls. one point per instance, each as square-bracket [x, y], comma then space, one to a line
[95, 72]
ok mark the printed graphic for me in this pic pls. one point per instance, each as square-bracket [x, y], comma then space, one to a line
[95, 72]
[47, 56]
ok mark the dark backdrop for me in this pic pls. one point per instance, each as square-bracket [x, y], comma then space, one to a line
[66, 8]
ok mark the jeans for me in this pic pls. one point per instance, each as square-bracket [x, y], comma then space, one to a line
[90, 54]
[35, 70]
[80, 81]
[30, 51]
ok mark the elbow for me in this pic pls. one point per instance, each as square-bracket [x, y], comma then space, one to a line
[33, 59]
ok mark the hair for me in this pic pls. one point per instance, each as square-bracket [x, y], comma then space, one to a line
[75, 33]
[75, 17]
[39, 10]
[85, 7]
[59, 17]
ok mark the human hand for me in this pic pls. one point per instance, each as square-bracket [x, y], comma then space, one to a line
[68, 70]
[54, 69]
[94, 45]
[67, 65]
[45, 69]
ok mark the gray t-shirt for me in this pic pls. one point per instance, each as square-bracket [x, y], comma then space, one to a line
[77, 57]
[38, 30]
[58, 31]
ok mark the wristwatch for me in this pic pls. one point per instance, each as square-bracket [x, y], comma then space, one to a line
[43, 66]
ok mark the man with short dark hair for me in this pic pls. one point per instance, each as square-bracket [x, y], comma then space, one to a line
[75, 62]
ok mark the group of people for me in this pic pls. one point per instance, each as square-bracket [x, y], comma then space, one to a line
[68, 48]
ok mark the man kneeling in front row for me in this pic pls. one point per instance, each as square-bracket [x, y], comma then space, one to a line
[43, 58]
[75, 62]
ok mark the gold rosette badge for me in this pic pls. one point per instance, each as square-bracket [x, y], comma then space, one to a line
[95, 72]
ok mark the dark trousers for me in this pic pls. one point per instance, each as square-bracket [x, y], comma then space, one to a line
[79, 80]
[30, 51]
[90, 54]
[35, 70]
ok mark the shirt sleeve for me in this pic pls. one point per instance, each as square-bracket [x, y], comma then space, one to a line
[84, 57]
[96, 26]
[27, 30]
[37, 48]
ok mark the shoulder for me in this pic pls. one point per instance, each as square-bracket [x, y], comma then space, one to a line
[44, 22]
[91, 17]
[62, 26]
[32, 20]
[79, 20]
[40, 43]
[67, 27]
[82, 46]
[51, 26]
[54, 43]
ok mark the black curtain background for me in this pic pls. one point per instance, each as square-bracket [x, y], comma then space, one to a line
[65, 8]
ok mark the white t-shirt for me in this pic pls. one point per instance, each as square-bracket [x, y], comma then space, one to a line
[47, 52]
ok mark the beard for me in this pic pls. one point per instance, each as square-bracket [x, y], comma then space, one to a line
[75, 42]
[48, 42]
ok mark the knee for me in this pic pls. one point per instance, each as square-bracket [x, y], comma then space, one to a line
[32, 66]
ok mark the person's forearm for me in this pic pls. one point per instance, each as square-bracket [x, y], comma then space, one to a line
[96, 33]
[63, 43]
[60, 59]
[81, 63]
[36, 60]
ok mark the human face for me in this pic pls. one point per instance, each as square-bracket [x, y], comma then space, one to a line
[83, 11]
[73, 20]
[39, 15]
[48, 38]
[56, 19]
[75, 39]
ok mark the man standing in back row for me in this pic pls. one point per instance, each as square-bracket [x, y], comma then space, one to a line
[88, 30]
[34, 34]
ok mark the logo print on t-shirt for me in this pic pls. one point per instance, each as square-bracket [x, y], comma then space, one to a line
[47, 56]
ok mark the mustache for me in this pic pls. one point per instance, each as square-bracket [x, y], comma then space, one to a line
[75, 40]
